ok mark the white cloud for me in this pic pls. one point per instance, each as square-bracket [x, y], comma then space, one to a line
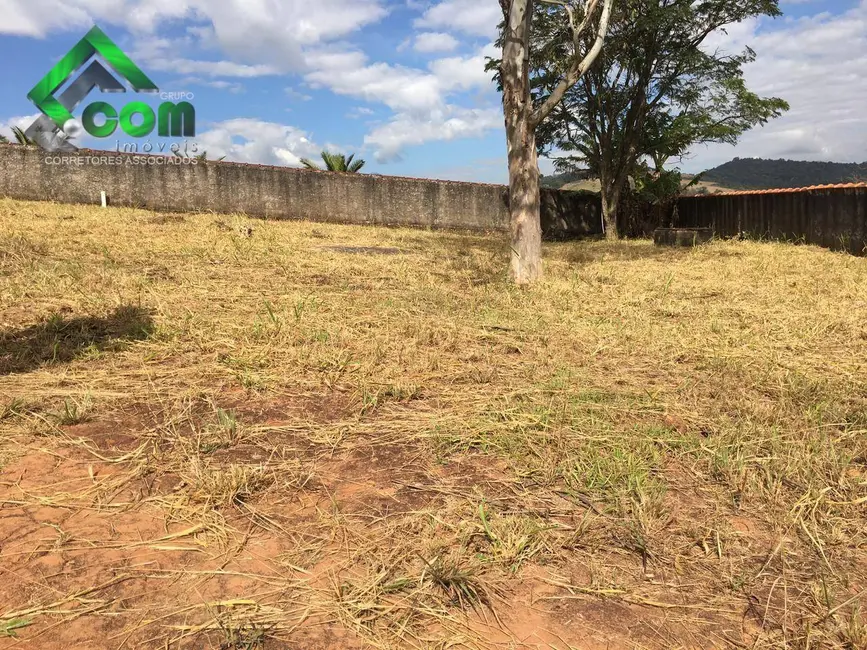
[155, 53]
[256, 141]
[435, 42]
[39, 17]
[275, 32]
[263, 32]
[358, 112]
[464, 72]
[218, 84]
[399, 87]
[817, 64]
[22, 122]
[450, 123]
[474, 17]
[420, 98]
[208, 68]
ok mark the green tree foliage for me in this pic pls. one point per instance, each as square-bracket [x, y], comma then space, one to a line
[656, 91]
[655, 196]
[659, 187]
[336, 162]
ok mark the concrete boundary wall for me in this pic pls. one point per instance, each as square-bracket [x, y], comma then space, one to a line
[283, 193]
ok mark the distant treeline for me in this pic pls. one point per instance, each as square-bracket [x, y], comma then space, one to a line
[758, 173]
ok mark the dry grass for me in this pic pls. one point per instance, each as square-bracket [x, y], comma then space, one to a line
[221, 437]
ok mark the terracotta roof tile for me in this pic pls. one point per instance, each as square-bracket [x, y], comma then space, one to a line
[787, 190]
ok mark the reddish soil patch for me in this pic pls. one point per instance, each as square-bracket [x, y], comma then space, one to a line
[289, 409]
[102, 554]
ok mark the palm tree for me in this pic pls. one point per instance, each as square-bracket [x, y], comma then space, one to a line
[20, 136]
[202, 157]
[335, 162]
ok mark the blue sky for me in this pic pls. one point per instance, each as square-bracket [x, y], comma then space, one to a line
[402, 82]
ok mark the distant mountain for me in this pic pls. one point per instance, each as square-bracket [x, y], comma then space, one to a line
[557, 181]
[761, 174]
[741, 174]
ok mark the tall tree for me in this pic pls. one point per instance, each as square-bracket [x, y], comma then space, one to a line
[336, 162]
[523, 115]
[657, 90]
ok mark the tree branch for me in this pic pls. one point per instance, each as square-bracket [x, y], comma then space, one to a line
[578, 68]
[577, 30]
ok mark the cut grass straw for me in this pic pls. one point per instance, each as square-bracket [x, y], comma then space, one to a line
[651, 448]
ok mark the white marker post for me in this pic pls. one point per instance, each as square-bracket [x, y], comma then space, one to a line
[103, 199]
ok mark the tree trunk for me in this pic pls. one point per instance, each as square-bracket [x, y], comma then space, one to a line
[524, 207]
[610, 205]
[522, 120]
[526, 229]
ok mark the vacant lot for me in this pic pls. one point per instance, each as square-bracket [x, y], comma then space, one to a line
[225, 433]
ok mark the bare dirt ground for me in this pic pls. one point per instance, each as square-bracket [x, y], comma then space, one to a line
[235, 434]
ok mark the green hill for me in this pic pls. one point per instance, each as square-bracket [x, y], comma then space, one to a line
[742, 174]
[557, 181]
[759, 173]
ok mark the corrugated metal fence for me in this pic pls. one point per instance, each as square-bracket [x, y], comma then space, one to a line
[833, 216]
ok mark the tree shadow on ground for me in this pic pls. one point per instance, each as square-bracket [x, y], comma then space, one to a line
[58, 339]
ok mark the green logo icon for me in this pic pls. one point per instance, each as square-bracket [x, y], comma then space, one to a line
[137, 119]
